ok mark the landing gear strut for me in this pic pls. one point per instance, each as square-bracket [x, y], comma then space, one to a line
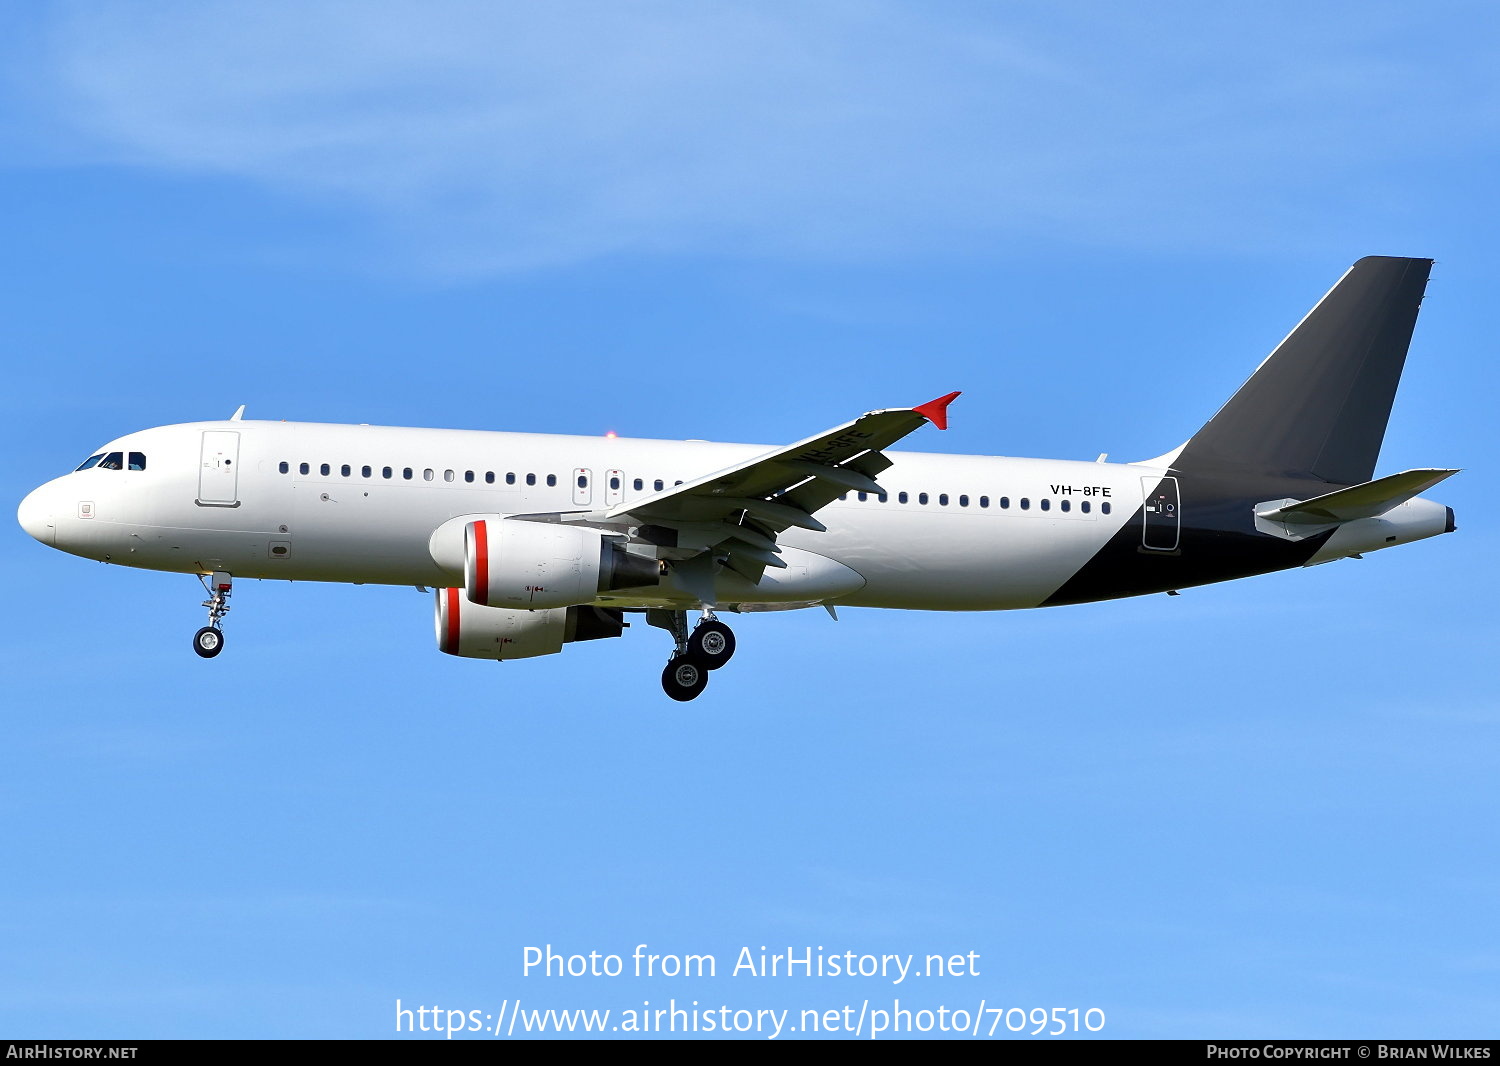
[209, 640]
[708, 647]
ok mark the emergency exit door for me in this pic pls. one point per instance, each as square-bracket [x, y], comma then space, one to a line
[583, 488]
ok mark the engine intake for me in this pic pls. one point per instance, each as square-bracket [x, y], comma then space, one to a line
[539, 565]
[476, 632]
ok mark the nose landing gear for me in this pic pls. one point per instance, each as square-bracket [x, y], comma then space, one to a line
[209, 640]
[708, 647]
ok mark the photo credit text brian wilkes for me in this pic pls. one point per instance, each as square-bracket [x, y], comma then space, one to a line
[855, 1014]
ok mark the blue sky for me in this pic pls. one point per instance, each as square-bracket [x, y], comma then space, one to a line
[1260, 809]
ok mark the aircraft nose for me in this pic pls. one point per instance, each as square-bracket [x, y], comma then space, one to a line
[36, 518]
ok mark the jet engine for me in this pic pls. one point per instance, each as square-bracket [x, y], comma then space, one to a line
[476, 632]
[539, 565]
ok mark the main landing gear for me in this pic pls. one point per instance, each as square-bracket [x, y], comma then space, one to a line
[209, 640]
[711, 643]
[708, 647]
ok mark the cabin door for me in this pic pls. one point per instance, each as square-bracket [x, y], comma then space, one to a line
[218, 474]
[1161, 514]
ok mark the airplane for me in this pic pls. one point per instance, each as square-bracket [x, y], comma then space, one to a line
[531, 542]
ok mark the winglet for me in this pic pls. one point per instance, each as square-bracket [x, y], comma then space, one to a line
[936, 411]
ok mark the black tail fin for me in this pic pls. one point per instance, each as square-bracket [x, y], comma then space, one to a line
[1318, 406]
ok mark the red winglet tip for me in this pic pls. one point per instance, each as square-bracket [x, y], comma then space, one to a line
[936, 411]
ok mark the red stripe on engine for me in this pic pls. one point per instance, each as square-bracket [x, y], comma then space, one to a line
[451, 646]
[480, 593]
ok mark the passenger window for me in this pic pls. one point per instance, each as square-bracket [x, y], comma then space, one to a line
[551, 481]
[1104, 508]
[91, 462]
[639, 484]
[882, 497]
[922, 497]
[1005, 503]
[385, 472]
[902, 497]
[943, 499]
[325, 469]
[984, 501]
[614, 484]
[510, 479]
[406, 473]
[861, 496]
[285, 468]
[344, 470]
[1084, 506]
[427, 474]
[489, 477]
[677, 483]
[659, 484]
[583, 481]
[963, 501]
[1063, 504]
[303, 468]
[531, 479]
[137, 460]
[365, 471]
[1025, 504]
[448, 476]
[112, 461]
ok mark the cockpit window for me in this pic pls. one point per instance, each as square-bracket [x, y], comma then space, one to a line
[137, 460]
[91, 462]
[112, 461]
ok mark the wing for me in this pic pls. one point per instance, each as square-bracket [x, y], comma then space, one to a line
[739, 512]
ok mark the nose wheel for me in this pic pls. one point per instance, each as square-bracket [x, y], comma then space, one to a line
[209, 640]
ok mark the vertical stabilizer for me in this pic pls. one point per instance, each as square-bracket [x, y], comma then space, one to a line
[1318, 406]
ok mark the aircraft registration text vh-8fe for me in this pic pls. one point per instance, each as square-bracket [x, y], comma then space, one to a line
[535, 541]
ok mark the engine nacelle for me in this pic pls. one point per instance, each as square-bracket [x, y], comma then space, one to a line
[476, 632]
[539, 565]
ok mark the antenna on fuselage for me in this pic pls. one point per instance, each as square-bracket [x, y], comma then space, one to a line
[238, 415]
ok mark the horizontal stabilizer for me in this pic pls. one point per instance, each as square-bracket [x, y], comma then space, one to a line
[1369, 500]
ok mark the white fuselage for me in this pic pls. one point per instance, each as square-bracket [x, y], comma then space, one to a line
[974, 532]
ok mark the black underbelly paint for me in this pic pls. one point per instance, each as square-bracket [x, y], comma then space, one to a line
[1218, 541]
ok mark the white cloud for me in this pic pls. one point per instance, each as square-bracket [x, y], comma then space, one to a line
[490, 135]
